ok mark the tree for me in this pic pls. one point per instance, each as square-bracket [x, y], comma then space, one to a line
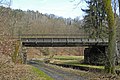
[5, 42]
[5, 2]
[119, 7]
[94, 18]
[110, 66]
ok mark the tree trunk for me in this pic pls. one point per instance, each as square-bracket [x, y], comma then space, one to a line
[110, 62]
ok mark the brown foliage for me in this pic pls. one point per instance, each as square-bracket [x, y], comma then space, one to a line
[9, 71]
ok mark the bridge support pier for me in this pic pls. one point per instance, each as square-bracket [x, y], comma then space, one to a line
[95, 55]
[24, 55]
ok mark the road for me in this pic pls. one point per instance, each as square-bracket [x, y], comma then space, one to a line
[55, 73]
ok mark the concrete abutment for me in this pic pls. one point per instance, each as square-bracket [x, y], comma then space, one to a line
[95, 55]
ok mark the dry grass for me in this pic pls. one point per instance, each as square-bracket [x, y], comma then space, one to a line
[10, 71]
[17, 72]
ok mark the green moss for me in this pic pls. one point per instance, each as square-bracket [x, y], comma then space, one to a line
[41, 74]
[110, 64]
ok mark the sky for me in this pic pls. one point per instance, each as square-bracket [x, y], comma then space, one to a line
[62, 8]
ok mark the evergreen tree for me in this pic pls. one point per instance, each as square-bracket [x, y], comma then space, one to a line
[94, 21]
[119, 7]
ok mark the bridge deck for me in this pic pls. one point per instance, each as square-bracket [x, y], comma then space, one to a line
[62, 42]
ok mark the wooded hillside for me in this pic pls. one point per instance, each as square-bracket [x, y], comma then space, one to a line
[17, 22]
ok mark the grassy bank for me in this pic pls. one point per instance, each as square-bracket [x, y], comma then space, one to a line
[21, 72]
[41, 74]
[73, 60]
[86, 74]
[68, 57]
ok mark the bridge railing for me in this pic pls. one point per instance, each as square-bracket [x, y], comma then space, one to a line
[54, 36]
[64, 40]
[75, 37]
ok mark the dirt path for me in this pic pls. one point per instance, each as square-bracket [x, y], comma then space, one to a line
[57, 74]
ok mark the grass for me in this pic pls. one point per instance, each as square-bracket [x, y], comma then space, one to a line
[77, 63]
[68, 57]
[90, 66]
[88, 75]
[21, 72]
[41, 74]
[74, 60]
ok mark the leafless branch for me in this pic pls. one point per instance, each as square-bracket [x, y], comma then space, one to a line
[6, 2]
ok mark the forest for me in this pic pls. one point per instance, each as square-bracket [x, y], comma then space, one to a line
[101, 21]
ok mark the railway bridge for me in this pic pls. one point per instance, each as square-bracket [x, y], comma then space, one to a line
[94, 52]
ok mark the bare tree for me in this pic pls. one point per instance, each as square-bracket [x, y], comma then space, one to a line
[6, 43]
[6, 2]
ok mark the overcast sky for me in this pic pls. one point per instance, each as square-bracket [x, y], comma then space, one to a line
[64, 8]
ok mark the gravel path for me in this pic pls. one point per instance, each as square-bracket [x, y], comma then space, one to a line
[56, 74]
